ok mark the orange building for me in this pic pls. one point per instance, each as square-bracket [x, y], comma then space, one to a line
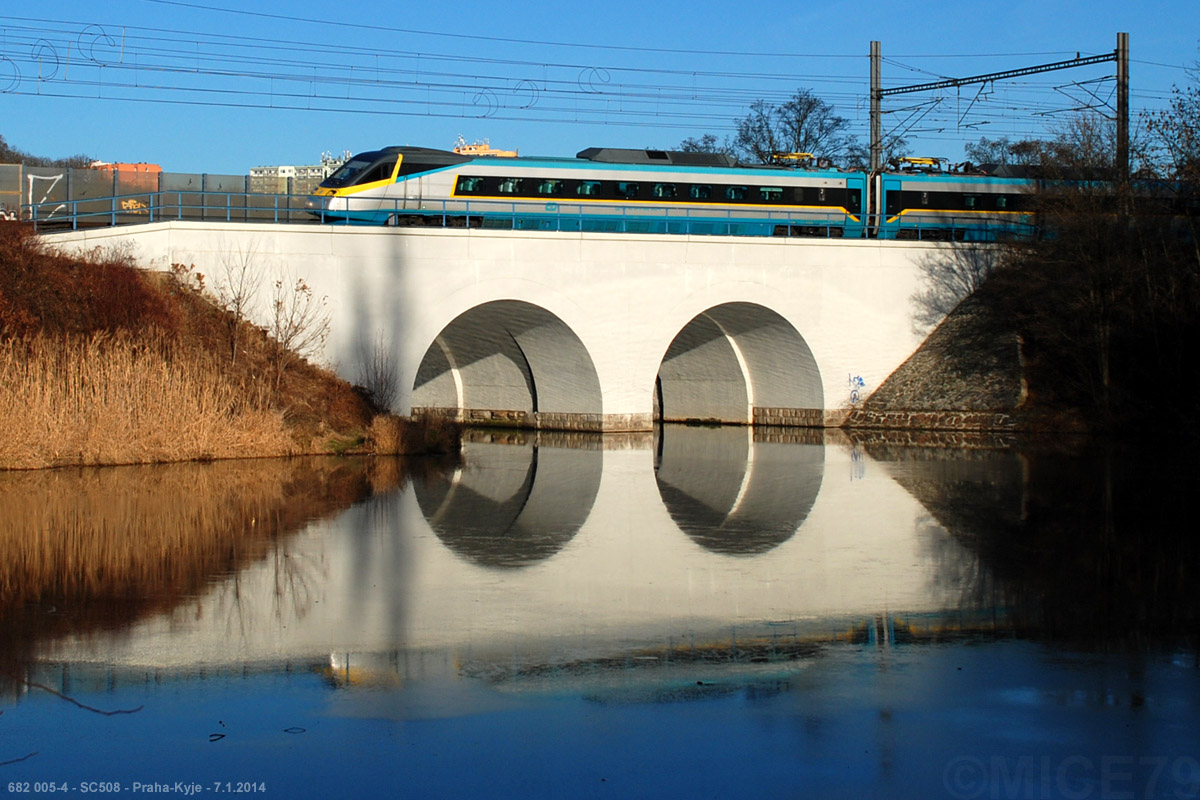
[126, 169]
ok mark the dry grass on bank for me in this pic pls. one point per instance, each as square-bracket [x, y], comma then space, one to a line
[116, 399]
[105, 363]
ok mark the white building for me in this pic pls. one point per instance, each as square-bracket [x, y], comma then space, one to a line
[304, 178]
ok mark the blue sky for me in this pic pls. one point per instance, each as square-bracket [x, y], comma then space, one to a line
[223, 86]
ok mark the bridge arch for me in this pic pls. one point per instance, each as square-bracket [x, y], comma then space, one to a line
[739, 363]
[509, 362]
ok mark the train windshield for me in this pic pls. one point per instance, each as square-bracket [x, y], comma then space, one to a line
[363, 168]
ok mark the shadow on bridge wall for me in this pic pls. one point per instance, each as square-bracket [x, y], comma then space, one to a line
[512, 363]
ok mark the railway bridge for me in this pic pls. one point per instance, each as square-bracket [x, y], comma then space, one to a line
[581, 331]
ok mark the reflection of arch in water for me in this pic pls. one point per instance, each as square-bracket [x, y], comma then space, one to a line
[511, 361]
[732, 494]
[512, 506]
[740, 363]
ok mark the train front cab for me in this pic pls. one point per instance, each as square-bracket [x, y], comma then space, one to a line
[364, 189]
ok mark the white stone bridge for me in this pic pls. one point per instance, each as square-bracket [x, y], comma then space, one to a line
[583, 331]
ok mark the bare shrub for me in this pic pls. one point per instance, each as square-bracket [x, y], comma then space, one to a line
[236, 285]
[300, 323]
[379, 373]
[433, 434]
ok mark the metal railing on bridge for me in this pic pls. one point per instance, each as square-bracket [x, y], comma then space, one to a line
[231, 206]
[58, 197]
[132, 209]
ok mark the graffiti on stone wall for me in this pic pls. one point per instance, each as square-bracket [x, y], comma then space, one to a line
[858, 388]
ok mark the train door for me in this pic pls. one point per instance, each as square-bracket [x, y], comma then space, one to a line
[874, 209]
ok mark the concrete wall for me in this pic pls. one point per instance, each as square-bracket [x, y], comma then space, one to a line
[571, 330]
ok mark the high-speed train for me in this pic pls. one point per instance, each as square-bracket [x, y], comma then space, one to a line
[657, 191]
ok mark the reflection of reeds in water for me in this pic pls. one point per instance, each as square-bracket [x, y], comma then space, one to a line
[85, 549]
[115, 400]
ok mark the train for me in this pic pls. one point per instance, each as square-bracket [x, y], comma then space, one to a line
[623, 190]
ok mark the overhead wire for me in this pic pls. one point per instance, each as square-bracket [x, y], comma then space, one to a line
[197, 68]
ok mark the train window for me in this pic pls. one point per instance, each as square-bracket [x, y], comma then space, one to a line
[924, 198]
[588, 188]
[1001, 201]
[821, 194]
[348, 172]
[510, 186]
[735, 192]
[628, 189]
[380, 172]
[470, 185]
[770, 194]
[854, 201]
[665, 191]
[969, 200]
[700, 192]
[550, 187]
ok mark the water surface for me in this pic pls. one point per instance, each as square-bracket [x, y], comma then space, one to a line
[700, 612]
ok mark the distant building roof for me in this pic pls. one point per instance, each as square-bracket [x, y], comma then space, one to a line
[481, 148]
[123, 167]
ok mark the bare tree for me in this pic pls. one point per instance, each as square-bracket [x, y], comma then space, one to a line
[300, 322]
[1106, 298]
[237, 283]
[859, 157]
[803, 124]
[708, 143]
[1175, 134]
[1023, 152]
[379, 372]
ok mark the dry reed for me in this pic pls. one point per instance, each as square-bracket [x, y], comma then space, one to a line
[386, 435]
[117, 399]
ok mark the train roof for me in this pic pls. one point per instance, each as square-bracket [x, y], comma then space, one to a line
[432, 155]
[678, 158]
[616, 156]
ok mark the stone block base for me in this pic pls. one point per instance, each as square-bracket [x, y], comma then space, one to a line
[789, 417]
[542, 420]
[931, 420]
[617, 423]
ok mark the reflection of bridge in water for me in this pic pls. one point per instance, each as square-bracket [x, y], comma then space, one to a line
[520, 501]
[558, 548]
[733, 497]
